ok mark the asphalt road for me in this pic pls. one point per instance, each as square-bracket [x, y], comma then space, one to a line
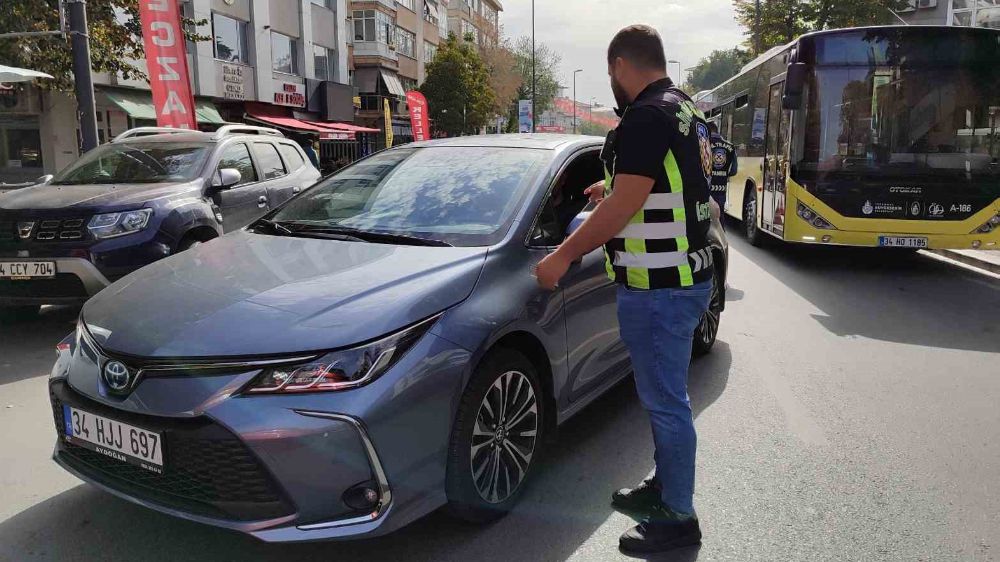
[851, 411]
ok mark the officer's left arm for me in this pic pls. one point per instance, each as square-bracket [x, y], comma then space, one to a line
[735, 165]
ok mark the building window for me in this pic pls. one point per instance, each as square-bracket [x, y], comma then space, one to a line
[325, 63]
[373, 25]
[410, 5]
[324, 3]
[230, 39]
[430, 51]
[490, 13]
[469, 32]
[408, 83]
[405, 42]
[283, 51]
[977, 13]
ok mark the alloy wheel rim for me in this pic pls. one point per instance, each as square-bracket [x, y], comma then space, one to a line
[504, 437]
[709, 327]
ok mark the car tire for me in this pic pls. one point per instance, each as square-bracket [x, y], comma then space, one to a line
[491, 455]
[708, 329]
[19, 313]
[753, 233]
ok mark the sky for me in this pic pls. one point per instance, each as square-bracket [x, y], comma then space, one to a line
[580, 30]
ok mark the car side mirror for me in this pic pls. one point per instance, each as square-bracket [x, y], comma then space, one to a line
[44, 179]
[576, 222]
[795, 83]
[226, 178]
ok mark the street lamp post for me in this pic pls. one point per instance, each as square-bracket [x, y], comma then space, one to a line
[574, 98]
[532, 66]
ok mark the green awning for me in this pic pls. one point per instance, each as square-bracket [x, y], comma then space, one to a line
[139, 105]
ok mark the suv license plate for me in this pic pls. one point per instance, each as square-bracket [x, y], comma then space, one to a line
[115, 439]
[902, 241]
[27, 269]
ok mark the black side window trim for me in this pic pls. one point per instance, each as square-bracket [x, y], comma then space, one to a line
[277, 151]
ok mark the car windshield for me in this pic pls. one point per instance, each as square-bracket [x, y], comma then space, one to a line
[465, 196]
[136, 162]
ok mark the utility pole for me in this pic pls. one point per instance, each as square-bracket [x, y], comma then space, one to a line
[574, 98]
[756, 27]
[532, 66]
[82, 77]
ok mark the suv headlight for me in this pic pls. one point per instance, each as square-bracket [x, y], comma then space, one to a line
[340, 370]
[813, 218]
[989, 226]
[111, 225]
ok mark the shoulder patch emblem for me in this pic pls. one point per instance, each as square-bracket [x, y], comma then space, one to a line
[705, 144]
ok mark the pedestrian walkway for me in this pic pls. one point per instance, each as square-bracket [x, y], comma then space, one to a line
[983, 259]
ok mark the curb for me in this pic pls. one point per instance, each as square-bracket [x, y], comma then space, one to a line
[968, 260]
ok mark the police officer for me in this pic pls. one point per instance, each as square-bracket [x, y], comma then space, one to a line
[653, 217]
[724, 165]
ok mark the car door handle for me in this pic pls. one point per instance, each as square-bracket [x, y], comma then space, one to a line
[262, 202]
[296, 189]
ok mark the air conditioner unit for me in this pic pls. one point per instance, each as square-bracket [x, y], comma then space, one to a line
[927, 3]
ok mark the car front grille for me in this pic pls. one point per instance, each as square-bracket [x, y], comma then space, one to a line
[207, 470]
[43, 229]
[62, 286]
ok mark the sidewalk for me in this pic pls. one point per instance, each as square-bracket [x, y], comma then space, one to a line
[983, 259]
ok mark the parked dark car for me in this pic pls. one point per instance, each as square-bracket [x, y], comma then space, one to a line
[375, 349]
[146, 195]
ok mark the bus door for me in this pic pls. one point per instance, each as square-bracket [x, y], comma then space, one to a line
[775, 162]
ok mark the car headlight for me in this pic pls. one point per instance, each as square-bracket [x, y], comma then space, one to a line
[989, 226]
[340, 370]
[813, 218]
[110, 225]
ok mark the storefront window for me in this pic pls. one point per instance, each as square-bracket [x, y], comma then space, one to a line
[283, 50]
[979, 13]
[230, 38]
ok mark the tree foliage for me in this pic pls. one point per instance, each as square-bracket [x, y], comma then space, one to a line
[505, 80]
[716, 68]
[778, 22]
[113, 45]
[595, 129]
[457, 89]
[546, 70]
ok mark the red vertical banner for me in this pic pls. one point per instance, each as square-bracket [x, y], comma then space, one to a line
[166, 63]
[418, 115]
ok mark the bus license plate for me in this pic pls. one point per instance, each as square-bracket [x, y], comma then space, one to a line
[27, 269]
[902, 242]
[115, 439]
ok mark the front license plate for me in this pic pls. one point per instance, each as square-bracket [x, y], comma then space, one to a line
[27, 269]
[902, 241]
[115, 439]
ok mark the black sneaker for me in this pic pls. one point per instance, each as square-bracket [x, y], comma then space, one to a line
[663, 530]
[644, 498]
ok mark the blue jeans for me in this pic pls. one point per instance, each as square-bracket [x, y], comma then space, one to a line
[658, 328]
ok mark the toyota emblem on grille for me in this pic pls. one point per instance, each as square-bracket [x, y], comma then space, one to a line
[24, 229]
[116, 376]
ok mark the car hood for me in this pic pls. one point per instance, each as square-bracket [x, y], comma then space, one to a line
[249, 294]
[90, 196]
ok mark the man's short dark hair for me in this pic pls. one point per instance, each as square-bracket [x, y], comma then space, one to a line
[712, 127]
[641, 45]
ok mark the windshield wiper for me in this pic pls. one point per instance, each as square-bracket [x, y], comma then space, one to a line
[375, 236]
[275, 226]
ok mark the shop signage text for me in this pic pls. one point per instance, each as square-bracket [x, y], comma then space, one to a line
[418, 115]
[290, 93]
[167, 63]
[233, 83]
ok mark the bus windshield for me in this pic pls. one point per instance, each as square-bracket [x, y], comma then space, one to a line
[884, 120]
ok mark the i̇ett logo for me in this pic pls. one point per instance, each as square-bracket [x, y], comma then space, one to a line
[116, 376]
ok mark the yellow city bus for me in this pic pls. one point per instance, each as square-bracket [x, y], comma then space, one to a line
[881, 136]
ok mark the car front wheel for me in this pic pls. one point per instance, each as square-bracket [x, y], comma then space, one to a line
[708, 329]
[497, 437]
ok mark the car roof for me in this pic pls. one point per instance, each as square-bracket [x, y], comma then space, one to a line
[542, 141]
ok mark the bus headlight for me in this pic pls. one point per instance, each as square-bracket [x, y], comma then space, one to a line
[988, 226]
[813, 218]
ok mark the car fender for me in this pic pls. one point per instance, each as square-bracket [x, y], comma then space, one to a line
[187, 214]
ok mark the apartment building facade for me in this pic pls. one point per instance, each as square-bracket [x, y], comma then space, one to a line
[963, 13]
[282, 63]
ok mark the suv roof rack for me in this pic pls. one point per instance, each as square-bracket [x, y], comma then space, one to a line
[246, 130]
[147, 131]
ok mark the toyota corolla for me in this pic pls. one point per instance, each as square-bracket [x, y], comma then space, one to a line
[374, 349]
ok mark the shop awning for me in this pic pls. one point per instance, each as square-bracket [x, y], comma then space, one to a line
[139, 105]
[393, 84]
[280, 117]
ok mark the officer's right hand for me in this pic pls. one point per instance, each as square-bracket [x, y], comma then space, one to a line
[595, 192]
